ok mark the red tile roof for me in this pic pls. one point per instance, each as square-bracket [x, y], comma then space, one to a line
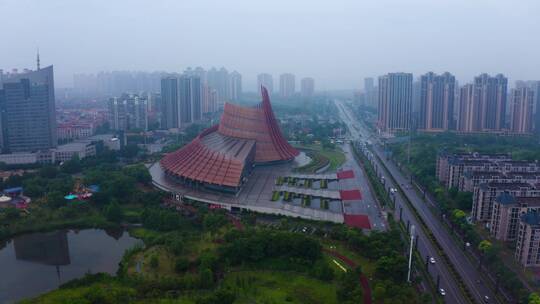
[219, 154]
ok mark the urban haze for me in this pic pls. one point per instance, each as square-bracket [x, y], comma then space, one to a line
[337, 42]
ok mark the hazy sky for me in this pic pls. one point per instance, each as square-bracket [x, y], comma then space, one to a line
[336, 42]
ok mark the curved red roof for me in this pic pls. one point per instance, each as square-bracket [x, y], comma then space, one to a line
[220, 154]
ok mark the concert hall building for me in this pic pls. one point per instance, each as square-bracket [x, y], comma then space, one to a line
[222, 156]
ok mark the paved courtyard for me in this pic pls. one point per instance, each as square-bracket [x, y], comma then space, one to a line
[256, 194]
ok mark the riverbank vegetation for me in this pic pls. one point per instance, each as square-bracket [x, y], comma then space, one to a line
[204, 258]
[123, 192]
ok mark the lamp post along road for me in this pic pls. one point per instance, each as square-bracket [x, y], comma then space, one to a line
[410, 254]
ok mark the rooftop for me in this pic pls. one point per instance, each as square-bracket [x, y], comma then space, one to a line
[220, 154]
[531, 218]
[507, 186]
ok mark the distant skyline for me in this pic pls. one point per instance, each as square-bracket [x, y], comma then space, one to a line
[337, 44]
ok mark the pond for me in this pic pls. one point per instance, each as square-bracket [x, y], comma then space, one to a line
[36, 263]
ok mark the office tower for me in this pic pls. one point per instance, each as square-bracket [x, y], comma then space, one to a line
[536, 88]
[209, 99]
[286, 85]
[28, 114]
[437, 102]
[128, 112]
[154, 102]
[169, 103]
[521, 110]
[370, 93]
[368, 84]
[307, 86]
[117, 114]
[416, 94]
[266, 81]
[201, 73]
[469, 118]
[491, 95]
[395, 102]
[189, 92]
[219, 80]
[235, 81]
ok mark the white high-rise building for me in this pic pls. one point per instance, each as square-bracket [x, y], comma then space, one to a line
[286, 85]
[235, 81]
[266, 81]
[307, 86]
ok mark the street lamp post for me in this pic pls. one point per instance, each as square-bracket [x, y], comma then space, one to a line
[410, 254]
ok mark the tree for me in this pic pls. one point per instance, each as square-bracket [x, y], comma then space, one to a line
[322, 271]
[11, 213]
[139, 172]
[55, 199]
[392, 267]
[130, 151]
[154, 261]
[213, 221]
[348, 288]
[113, 212]
[206, 278]
[181, 265]
[484, 247]
[379, 292]
[33, 190]
[534, 298]
[48, 171]
[72, 166]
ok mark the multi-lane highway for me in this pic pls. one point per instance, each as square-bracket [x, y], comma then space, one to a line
[467, 270]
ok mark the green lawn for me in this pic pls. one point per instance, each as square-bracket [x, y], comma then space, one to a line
[335, 156]
[279, 287]
[368, 267]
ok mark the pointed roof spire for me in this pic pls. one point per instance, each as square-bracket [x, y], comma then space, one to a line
[38, 67]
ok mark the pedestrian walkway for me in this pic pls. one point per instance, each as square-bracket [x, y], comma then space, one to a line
[352, 264]
[331, 176]
[323, 193]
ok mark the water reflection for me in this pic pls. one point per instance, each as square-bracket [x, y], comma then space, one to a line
[44, 248]
[36, 263]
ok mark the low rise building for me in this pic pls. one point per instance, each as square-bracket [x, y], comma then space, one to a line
[68, 151]
[450, 168]
[472, 179]
[83, 148]
[70, 131]
[465, 171]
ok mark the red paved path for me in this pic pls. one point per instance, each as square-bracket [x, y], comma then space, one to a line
[363, 280]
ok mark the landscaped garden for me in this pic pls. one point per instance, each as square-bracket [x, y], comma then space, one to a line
[205, 259]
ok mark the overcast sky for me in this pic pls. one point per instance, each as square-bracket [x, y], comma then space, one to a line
[336, 42]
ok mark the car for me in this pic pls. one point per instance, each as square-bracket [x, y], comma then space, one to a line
[432, 260]
[442, 292]
[486, 299]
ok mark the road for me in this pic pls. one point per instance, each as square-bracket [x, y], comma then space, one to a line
[466, 269]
